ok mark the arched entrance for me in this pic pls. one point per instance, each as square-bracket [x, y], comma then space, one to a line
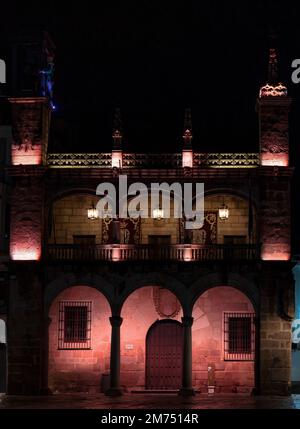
[164, 347]
[142, 310]
[3, 366]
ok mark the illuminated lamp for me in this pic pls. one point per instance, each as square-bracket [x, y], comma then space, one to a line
[93, 213]
[223, 212]
[158, 214]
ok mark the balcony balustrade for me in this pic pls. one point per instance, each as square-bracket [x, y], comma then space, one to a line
[145, 252]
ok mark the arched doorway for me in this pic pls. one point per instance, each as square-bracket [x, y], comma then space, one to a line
[3, 365]
[142, 309]
[164, 347]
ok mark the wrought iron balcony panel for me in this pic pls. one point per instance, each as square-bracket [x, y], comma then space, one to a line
[79, 160]
[155, 161]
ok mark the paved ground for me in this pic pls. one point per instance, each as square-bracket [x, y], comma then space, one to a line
[146, 401]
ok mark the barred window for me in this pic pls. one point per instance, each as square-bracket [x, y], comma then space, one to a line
[74, 330]
[239, 336]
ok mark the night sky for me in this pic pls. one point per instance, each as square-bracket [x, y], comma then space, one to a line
[154, 58]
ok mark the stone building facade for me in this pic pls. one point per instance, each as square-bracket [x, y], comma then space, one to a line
[123, 306]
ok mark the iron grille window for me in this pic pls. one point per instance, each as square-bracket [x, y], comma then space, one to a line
[239, 336]
[74, 330]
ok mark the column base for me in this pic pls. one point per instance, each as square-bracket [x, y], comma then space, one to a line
[186, 392]
[114, 392]
[46, 391]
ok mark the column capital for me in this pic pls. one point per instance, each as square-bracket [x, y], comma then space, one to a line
[187, 321]
[116, 321]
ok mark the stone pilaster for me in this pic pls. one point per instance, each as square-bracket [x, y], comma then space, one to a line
[274, 216]
[25, 329]
[275, 328]
[26, 228]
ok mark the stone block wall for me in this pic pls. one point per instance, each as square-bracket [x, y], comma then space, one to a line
[275, 331]
[80, 370]
[25, 334]
[274, 130]
[237, 224]
[208, 342]
[275, 222]
[26, 227]
[70, 218]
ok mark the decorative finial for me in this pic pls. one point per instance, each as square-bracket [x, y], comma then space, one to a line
[117, 134]
[272, 67]
[187, 131]
[273, 87]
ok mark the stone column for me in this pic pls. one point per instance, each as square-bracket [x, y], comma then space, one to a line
[115, 388]
[187, 385]
[45, 390]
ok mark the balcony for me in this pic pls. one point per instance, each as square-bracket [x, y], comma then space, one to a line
[176, 252]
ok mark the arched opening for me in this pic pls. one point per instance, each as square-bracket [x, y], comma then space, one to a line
[141, 310]
[223, 336]
[68, 221]
[3, 357]
[164, 347]
[79, 340]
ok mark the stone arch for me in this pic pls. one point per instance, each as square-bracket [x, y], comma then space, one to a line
[235, 280]
[232, 191]
[64, 221]
[66, 281]
[137, 281]
[142, 308]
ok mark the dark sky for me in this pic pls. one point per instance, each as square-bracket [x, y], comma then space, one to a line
[152, 59]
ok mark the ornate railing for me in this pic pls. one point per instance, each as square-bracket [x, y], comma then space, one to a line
[227, 160]
[71, 160]
[154, 160]
[176, 252]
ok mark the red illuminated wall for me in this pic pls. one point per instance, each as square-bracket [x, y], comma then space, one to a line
[207, 336]
[26, 219]
[139, 314]
[80, 370]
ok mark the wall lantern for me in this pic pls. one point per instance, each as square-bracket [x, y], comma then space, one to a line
[223, 212]
[158, 214]
[93, 212]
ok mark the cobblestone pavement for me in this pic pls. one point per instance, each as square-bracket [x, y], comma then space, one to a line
[147, 401]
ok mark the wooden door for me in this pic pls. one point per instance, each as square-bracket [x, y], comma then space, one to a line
[164, 348]
[159, 240]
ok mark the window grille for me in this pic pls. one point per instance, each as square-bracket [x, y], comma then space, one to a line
[239, 336]
[74, 331]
